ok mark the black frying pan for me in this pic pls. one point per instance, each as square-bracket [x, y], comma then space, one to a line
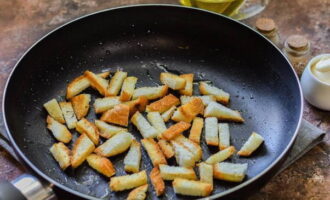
[144, 41]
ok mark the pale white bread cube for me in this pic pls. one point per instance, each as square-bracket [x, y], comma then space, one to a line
[183, 156]
[206, 99]
[221, 155]
[68, 113]
[154, 152]
[220, 95]
[128, 88]
[79, 84]
[191, 188]
[157, 122]
[133, 158]
[101, 164]
[211, 131]
[103, 104]
[230, 171]
[253, 142]
[107, 130]
[115, 145]
[224, 136]
[80, 105]
[54, 110]
[157, 181]
[168, 114]
[116, 82]
[87, 127]
[206, 173]
[173, 81]
[82, 147]
[61, 153]
[98, 83]
[60, 131]
[163, 104]
[188, 89]
[120, 183]
[171, 172]
[150, 93]
[194, 148]
[166, 148]
[139, 193]
[146, 130]
[222, 112]
[196, 130]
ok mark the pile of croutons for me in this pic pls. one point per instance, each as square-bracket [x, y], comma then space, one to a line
[123, 103]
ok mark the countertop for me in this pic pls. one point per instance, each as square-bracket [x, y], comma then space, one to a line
[23, 22]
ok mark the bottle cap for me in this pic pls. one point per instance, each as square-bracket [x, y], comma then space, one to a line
[297, 42]
[265, 25]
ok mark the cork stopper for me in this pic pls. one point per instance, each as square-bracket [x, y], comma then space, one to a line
[297, 42]
[265, 25]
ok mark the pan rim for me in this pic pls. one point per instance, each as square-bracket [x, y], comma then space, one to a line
[80, 194]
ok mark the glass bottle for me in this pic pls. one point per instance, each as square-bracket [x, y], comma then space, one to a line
[267, 27]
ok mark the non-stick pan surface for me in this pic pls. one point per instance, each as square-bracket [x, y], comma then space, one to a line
[144, 41]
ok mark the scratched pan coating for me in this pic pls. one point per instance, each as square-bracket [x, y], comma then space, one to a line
[144, 41]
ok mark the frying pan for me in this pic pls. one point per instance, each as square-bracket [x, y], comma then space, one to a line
[145, 40]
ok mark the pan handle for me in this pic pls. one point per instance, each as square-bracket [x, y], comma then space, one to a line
[26, 187]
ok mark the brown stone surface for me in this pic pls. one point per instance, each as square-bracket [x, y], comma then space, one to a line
[22, 22]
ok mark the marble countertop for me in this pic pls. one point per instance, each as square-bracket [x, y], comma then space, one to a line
[23, 22]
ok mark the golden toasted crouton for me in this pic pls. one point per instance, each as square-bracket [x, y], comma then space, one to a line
[221, 155]
[155, 154]
[133, 158]
[188, 89]
[157, 122]
[115, 145]
[189, 111]
[191, 188]
[68, 113]
[194, 148]
[103, 104]
[97, 82]
[79, 84]
[61, 153]
[206, 173]
[128, 88]
[163, 104]
[82, 147]
[151, 93]
[107, 130]
[254, 141]
[142, 103]
[168, 114]
[80, 105]
[138, 193]
[87, 127]
[60, 132]
[138, 104]
[101, 164]
[175, 130]
[220, 95]
[146, 130]
[166, 148]
[183, 156]
[222, 113]
[173, 81]
[171, 172]
[206, 99]
[117, 115]
[157, 181]
[196, 130]
[230, 171]
[211, 131]
[116, 82]
[120, 183]
[54, 110]
[224, 136]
